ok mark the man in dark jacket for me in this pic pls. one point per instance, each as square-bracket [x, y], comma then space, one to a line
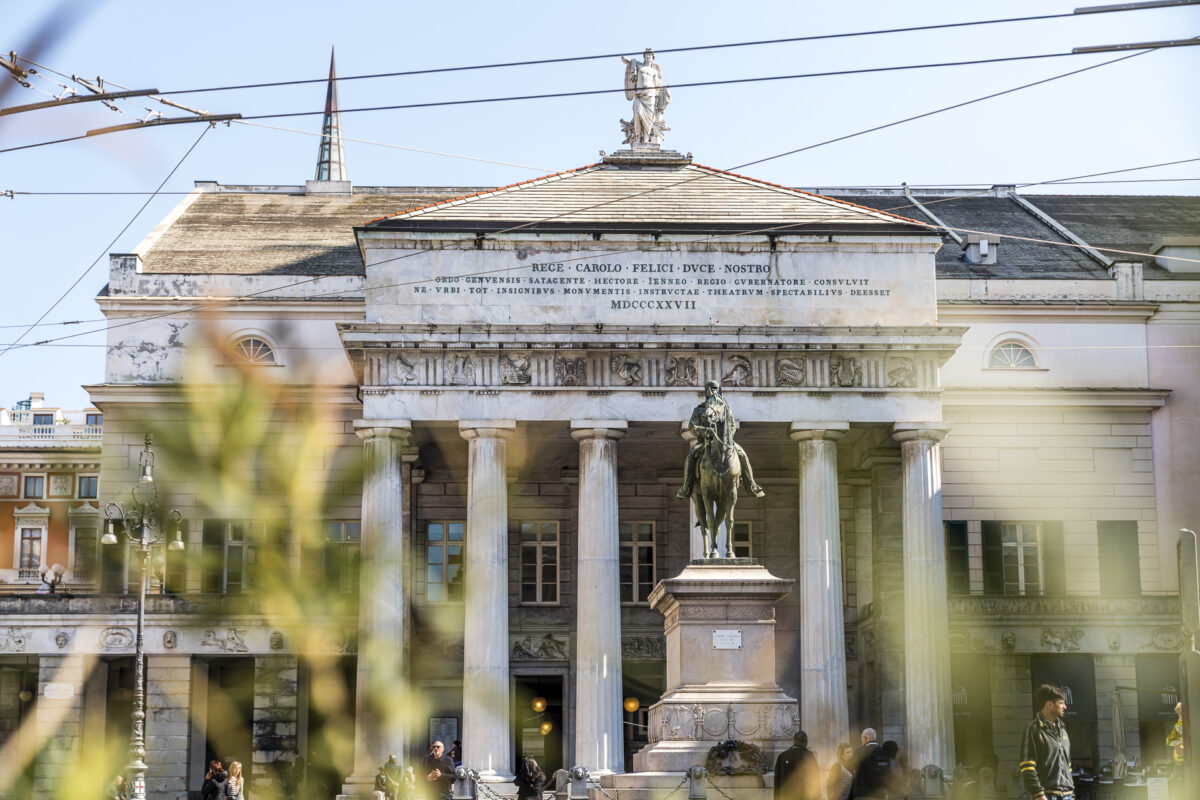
[1046, 749]
[439, 772]
[873, 769]
[797, 776]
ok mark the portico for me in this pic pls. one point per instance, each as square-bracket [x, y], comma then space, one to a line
[567, 353]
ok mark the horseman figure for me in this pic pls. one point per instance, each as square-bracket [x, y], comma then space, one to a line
[719, 463]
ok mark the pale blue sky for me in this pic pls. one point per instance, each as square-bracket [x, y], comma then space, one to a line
[1139, 112]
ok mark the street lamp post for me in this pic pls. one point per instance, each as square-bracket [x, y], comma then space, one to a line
[142, 514]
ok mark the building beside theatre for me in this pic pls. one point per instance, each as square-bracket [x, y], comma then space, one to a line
[977, 448]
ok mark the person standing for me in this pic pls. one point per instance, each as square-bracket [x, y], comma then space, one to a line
[872, 770]
[235, 786]
[841, 776]
[385, 785]
[797, 776]
[1046, 749]
[118, 789]
[214, 782]
[530, 780]
[439, 772]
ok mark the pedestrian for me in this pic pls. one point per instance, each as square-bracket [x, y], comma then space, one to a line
[530, 779]
[797, 776]
[235, 786]
[215, 779]
[895, 778]
[408, 784]
[841, 776]
[439, 771]
[118, 789]
[872, 769]
[456, 752]
[1175, 736]
[1046, 749]
[385, 785]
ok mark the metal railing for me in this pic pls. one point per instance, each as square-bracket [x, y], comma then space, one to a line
[50, 434]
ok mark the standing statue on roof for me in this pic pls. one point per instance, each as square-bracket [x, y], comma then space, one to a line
[644, 86]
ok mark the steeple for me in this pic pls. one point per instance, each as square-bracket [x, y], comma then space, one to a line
[331, 160]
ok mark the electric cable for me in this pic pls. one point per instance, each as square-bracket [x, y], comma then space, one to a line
[600, 56]
[105, 252]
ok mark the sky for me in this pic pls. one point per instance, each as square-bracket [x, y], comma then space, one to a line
[1138, 112]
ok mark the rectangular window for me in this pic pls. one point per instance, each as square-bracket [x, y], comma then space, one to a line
[1119, 568]
[637, 561]
[35, 486]
[444, 561]
[94, 419]
[340, 565]
[1021, 554]
[741, 540]
[539, 563]
[228, 554]
[30, 556]
[89, 487]
[84, 565]
[958, 579]
[43, 419]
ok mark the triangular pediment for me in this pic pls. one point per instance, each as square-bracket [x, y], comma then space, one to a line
[689, 196]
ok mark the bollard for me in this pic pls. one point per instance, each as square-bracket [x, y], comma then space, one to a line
[579, 779]
[561, 779]
[935, 781]
[697, 776]
[463, 787]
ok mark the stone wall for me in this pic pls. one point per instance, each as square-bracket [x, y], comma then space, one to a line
[275, 720]
[59, 721]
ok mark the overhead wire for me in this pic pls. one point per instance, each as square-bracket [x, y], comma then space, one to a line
[104, 252]
[511, 229]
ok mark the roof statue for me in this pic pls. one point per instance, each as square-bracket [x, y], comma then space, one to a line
[644, 86]
[331, 160]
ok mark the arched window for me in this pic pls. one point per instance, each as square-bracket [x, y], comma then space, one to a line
[1011, 355]
[253, 350]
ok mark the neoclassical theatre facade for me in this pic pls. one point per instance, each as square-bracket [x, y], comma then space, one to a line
[975, 453]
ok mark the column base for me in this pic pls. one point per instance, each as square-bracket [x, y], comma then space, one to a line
[494, 776]
[359, 787]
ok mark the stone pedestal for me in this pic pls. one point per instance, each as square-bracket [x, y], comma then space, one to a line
[720, 631]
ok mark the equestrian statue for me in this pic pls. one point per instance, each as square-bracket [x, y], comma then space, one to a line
[719, 463]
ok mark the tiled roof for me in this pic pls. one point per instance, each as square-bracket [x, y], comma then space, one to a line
[603, 194]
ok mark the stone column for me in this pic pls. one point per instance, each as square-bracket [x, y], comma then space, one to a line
[928, 715]
[599, 726]
[59, 722]
[823, 709]
[487, 730]
[276, 717]
[379, 701]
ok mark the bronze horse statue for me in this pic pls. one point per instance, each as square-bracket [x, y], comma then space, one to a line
[719, 471]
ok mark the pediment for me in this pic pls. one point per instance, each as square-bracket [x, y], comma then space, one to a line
[31, 510]
[684, 197]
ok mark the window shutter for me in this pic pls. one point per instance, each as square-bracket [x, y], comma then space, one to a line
[993, 559]
[1054, 566]
[957, 564]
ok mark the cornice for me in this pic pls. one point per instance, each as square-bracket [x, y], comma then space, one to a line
[1147, 399]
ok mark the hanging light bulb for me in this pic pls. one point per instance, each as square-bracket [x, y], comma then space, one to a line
[632, 704]
[25, 696]
[538, 704]
[546, 727]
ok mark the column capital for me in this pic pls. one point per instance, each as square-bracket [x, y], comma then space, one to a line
[487, 428]
[367, 429]
[914, 431]
[598, 428]
[807, 431]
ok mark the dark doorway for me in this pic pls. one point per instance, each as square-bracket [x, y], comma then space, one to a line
[329, 753]
[118, 703]
[645, 682]
[539, 734]
[230, 713]
[971, 695]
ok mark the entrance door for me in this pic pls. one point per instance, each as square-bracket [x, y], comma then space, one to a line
[539, 734]
[230, 713]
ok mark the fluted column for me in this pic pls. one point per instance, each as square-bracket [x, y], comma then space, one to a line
[928, 714]
[487, 730]
[823, 710]
[379, 701]
[599, 729]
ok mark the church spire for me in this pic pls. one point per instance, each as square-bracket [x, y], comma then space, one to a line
[331, 159]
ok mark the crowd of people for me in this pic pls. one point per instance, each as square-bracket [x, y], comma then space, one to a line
[873, 770]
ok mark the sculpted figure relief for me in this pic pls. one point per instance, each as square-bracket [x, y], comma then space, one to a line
[720, 464]
[644, 86]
